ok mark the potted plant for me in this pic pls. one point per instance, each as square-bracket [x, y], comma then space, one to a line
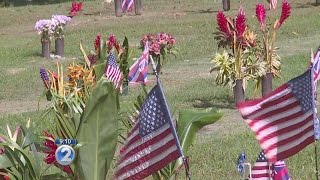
[269, 54]
[241, 64]
[60, 21]
[45, 28]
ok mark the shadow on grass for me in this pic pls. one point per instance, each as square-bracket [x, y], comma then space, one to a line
[219, 103]
[306, 5]
[210, 10]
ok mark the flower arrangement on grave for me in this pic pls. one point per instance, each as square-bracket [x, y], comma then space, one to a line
[45, 28]
[60, 22]
[75, 8]
[160, 46]
[269, 51]
[238, 63]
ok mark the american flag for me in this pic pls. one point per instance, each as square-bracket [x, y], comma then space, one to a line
[261, 169]
[138, 72]
[127, 5]
[273, 4]
[152, 143]
[283, 120]
[280, 171]
[113, 72]
[316, 76]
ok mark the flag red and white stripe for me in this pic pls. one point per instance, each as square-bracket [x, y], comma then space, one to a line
[283, 120]
[151, 144]
[273, 4]
[113, 72]
[261, 169]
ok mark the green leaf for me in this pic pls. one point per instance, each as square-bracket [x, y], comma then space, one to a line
[98, 132]
[4, 162]
[99, 69]
[55, 176]
[191, 121]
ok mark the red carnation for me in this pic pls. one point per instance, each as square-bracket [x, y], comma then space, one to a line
[261, 15]
[222, 23]
[286, 10]
[240, 22]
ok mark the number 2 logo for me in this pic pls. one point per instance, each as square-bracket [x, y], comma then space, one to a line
[65, 155]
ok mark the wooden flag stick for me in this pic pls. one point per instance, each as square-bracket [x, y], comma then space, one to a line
[316, 159]
[315, 118]
[185, 162]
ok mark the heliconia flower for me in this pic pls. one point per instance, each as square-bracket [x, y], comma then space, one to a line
[286, 10]
[240, 22]
[45, 78]
[222, 22]
[97, 42]
[261, 15]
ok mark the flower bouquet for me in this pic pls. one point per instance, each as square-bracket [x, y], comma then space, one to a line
[45, 28]
[75, 8]
[241, 64]
[59, 21]
[160, 46]
[269, 54]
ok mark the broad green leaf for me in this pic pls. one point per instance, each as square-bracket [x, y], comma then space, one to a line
[191, 121]
[4, 162]
[55, 176]
[99, 70]
[98, 132]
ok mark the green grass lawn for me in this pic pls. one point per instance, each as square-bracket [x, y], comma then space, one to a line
[186, 80]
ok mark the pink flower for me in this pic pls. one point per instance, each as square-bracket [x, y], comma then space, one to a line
[286, 10]
[155, 48]
[222, 23]
[240, 23]
[261, 15]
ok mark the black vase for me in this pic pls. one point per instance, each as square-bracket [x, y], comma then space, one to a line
[45, 48]
[59, 46]
[266, 84]
[238, 91]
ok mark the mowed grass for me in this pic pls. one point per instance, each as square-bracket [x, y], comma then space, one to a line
[186, 80]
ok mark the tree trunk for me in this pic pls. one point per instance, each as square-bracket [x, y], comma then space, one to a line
[226, 5]
[118, 9]
[317, 2]
[238, 91]
[266, 84]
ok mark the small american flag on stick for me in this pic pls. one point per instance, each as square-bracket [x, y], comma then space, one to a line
[283, 120]
[152, 143]
[113, 72]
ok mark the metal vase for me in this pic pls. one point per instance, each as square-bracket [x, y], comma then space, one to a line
[125, 90]
[267, 84]
[226, 5]
[59, 46]
[45, 48]
[238, 91]
[118, 9]
[137, 7]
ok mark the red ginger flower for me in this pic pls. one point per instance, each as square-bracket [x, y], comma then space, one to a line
[261, 15]
[52, 147]
[97, 42]
[222, 23]
[286, 10]
[240, 22]
[112, 42]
